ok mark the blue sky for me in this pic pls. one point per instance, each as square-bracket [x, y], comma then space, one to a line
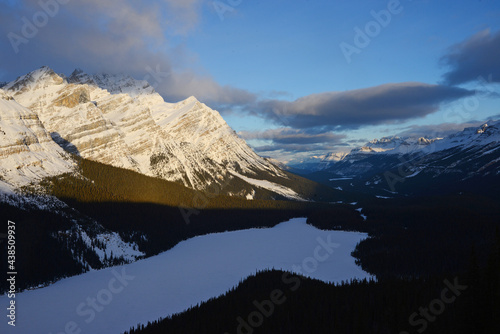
[275, 69]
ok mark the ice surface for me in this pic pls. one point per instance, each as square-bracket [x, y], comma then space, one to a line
[193, 271]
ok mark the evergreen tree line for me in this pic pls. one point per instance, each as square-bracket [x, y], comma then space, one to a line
[417, 237]
[41, 256]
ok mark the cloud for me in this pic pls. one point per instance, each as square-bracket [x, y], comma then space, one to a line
[298, 148]
[113, 36]
[186, 15]
[384, 104]
[437, 130]
[206, 89]
[358, 141]
[289, 136]
[294, 140]
[476, 57]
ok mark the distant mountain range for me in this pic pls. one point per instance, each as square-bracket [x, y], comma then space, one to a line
[465, 161]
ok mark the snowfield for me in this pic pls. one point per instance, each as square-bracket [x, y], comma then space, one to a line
[114, 299]
[277, 188]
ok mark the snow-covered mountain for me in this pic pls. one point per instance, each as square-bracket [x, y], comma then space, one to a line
[27, 152]
[316, 163]
[471, 156]
[27, 155]
[394, 145]
[123, 122]
[330, 159]
[486, 134]
[387, 146]
[473, 152]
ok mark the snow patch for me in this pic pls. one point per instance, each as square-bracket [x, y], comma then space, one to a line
[277, 188]
[251, 195]
[414, 173]
[114, 247]
[362, 215]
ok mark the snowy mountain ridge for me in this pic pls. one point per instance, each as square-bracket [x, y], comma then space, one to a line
[27, 152]
[337, 156]
[123, 122]
[394, 145]
[391, 145]
[468, 160]
[482, 135]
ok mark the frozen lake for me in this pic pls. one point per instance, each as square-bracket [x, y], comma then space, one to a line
[114, 299]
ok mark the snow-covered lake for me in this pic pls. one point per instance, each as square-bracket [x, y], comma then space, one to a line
[112, 300]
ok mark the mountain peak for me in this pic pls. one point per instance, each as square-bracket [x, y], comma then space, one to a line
[43, 73]
[334, 156]
[113, 83]
[483, 128]
[80, 77]
[77, 71]
[185, 142]
[44, 76]
[123, 84]
[45, 68]
[385, 140]
[191, 99]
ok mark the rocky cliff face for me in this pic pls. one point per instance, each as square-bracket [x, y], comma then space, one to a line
[123, 122]
[27, 152]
